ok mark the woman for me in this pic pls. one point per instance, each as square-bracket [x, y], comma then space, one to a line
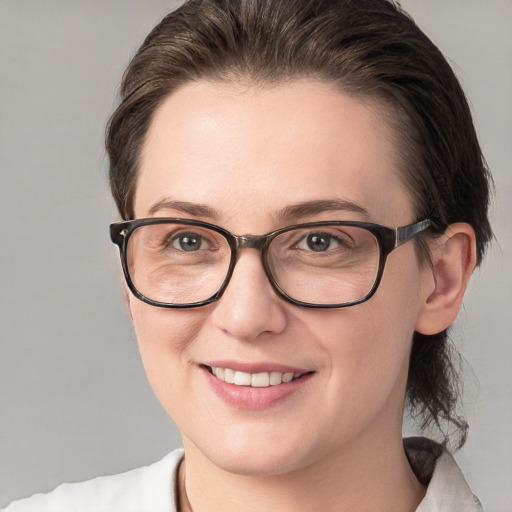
[303, 200]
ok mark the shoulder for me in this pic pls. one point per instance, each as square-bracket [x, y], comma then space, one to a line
[145, 489]
[434, 466]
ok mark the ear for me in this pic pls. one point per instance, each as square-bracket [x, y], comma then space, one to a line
[453, 261]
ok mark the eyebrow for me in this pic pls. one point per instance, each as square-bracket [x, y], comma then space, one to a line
[307, 208]
[289, 213]
[196, 209]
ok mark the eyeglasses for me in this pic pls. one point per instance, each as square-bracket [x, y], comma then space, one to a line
[176, 263]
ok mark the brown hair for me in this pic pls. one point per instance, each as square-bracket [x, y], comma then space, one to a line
[368, 48]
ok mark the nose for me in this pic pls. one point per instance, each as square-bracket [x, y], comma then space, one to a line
[249, 307]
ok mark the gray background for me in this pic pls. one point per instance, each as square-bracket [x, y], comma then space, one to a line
[74, 401]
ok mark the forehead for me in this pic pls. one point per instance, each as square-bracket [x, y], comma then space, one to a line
[247, 151]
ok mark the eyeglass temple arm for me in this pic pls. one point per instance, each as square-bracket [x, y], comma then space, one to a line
[405, 233]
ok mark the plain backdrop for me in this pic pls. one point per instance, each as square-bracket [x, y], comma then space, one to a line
[74, 401]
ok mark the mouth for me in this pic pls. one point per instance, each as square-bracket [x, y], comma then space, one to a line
[255, 386]
[254, 380]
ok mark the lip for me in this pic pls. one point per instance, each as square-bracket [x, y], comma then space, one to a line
[255, 367]
[252, 398]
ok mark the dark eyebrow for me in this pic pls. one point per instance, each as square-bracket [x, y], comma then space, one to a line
[308, 208]
[196, 209]
[289, 213]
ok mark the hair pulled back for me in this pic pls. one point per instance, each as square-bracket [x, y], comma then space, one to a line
[370, 49]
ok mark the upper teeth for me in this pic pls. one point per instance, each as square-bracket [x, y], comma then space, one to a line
[256, 380]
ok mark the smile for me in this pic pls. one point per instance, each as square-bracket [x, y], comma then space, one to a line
[255, 380]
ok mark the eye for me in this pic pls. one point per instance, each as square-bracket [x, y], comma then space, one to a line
[188, 242]
[319, 242]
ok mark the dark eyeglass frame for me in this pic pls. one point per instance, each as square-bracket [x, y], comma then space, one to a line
[388, 239]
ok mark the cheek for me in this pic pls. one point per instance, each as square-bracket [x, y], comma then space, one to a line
[165, 338]
[369, 345]
[390, 316]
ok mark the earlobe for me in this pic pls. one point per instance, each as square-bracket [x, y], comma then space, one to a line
[453, 261]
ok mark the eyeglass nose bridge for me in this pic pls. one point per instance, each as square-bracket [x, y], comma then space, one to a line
[257, 242]
[261, 244]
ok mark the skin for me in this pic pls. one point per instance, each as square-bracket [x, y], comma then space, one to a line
[247, 154]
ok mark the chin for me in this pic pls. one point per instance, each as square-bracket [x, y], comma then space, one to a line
[259, 455]
[262, 465]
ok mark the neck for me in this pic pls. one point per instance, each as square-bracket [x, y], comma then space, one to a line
[371, 474]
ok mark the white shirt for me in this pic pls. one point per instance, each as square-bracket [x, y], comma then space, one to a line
[154, 488]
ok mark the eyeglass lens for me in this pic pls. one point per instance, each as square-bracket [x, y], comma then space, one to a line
[181, 264]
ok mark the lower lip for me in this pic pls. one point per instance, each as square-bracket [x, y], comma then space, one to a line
[247, 397]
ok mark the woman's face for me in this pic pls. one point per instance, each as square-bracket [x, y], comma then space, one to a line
[241, 157]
